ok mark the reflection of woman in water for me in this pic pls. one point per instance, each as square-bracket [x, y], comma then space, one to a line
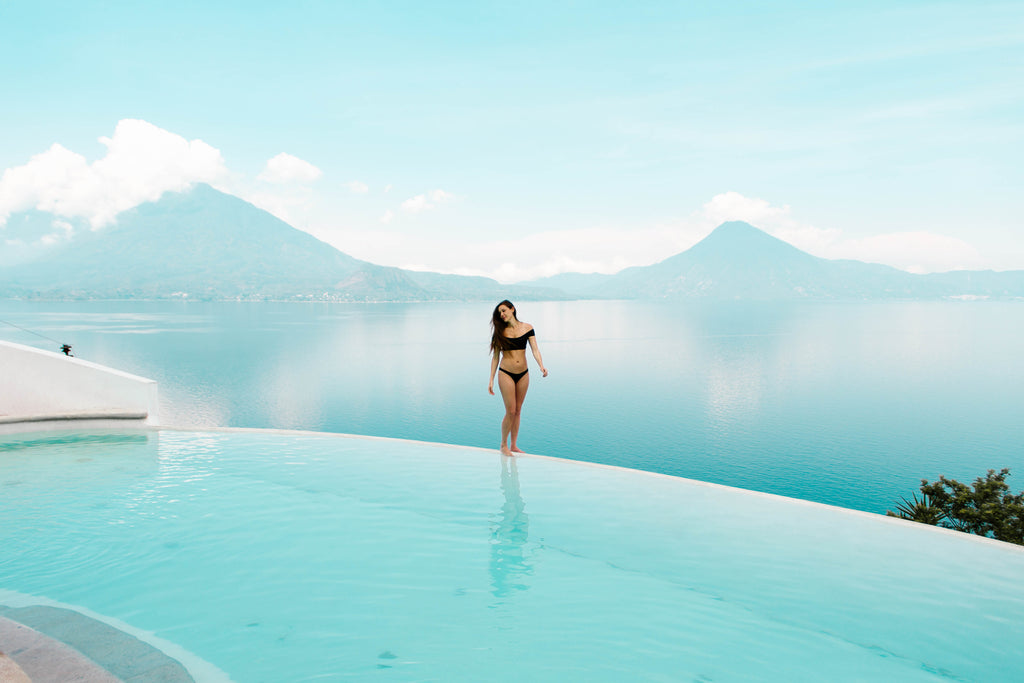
[509, 337]
[509, 566]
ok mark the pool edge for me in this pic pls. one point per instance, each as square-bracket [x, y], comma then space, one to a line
[697, 482]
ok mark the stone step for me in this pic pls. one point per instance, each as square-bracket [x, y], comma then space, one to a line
[56, 644]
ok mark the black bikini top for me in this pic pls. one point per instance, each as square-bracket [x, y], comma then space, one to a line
[519, 343]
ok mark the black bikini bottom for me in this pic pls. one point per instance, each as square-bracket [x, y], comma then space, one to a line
[516, 376]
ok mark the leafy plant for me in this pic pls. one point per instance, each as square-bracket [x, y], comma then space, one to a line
[986, 508]
[918, 510]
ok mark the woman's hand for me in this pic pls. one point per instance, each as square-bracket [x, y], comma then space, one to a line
[490, 388]
[544, 372]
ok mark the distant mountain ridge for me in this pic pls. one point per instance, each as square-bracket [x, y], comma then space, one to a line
[739, 261]
[205, 244]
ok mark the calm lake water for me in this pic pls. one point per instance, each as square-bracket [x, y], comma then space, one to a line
[844, 403]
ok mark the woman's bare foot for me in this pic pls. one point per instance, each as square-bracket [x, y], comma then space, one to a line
[505, 450]
[517, 449]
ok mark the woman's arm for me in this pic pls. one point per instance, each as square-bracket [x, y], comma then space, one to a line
[494, 369]
[536, 354]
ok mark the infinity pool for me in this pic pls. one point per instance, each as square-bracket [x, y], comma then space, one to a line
[273, 556]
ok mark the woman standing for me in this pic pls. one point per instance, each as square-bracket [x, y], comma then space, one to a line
[509, 337]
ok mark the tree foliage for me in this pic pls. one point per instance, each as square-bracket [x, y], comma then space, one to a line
[986, 508]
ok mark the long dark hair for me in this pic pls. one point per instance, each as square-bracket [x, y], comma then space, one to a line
[499, 342]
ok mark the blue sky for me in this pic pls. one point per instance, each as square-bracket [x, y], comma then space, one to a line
[517, 140]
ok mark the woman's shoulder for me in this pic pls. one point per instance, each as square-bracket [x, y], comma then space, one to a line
[521, 331]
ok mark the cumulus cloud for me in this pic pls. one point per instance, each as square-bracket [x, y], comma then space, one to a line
[285, 168]
[142, 162]
[357, 187]
[388, 216]
[426, 201]
[57, 180]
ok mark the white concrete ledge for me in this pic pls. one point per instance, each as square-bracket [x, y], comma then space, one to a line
[43, 389]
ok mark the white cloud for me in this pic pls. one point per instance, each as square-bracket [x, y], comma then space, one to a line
[285, 168]
[63, 233]
[917, 252]
[142, 162]
[732, 206]
[599, 249]
[282, 188]
[388, 216]
[290, 204]
[415, 204]
[585, 250]
[357, 187]
[426, 201]
[57, 180]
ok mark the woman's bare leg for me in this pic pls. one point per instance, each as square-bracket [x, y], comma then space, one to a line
[521, 388]
[507, 387]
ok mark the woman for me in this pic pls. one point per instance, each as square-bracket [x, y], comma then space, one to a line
[509, 337]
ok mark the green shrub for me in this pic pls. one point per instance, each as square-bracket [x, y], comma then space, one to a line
[987, 508]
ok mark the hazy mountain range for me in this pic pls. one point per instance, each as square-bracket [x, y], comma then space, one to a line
[204, 244]
[738, 261]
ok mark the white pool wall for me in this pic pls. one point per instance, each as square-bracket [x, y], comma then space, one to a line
[48, 390]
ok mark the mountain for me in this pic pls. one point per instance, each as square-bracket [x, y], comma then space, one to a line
[204, 244]
[739, 261]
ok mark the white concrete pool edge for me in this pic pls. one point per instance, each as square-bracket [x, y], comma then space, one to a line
[615, 468]
[51, 391]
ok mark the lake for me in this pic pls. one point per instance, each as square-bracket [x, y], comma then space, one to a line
[849, 404]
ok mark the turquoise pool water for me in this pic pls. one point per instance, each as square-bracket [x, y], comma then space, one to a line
[311, 557]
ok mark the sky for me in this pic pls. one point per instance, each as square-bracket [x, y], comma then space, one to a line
[520, 140]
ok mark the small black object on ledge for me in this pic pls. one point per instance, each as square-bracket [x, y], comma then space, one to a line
[66, 348]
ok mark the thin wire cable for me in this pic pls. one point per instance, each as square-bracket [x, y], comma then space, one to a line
[24, 329]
